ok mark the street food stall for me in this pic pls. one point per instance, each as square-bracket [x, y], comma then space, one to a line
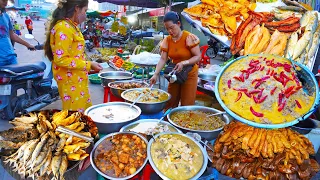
[267, 92]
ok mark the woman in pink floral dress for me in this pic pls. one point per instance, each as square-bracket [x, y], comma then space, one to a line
[65, 48]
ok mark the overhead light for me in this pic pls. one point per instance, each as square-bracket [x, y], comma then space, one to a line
[132, 19]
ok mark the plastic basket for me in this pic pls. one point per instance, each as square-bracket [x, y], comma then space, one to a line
[94, 79]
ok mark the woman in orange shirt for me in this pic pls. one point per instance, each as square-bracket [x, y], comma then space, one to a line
[183, 49]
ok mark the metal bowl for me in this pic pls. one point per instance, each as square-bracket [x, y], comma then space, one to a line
[310, 85]
[151, 107]
[112, 76]
[207, 77]
[100, 141]
[110, 127]
[204, 154]
[117, 91]
[147, 123]
[208, 135]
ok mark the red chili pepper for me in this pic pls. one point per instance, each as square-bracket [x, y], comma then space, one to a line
[287, 67]
[298, 88]
[258, 84]
[252, 70]
[241, 77]
[294, 77]
[237, 78]
[273, 90]
[260, 93]
[279, 64]
[268, 63]
[283, 104]
[272, 72]
[256, 100]
[255, 113]
[247, 75]
[258, 67]
[244, 71]
[289, 94]
[241, 89]
[274, 65]
[277, 78]
[239, 96]
[262, 68]
[285, 82]
[263, 99]
[256, 61]
[229, 83]
[247, 94]
[268, 72]
[280, 98]
[298, 104]
[255, 91]
[265, 78]
[288, 90]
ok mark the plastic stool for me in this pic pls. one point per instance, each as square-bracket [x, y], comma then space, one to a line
[109, 97]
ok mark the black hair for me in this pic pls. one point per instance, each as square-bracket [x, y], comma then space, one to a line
[15, 21]
[89, 22]
[174, 17]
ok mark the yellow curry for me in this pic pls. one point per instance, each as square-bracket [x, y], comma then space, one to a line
[176, 156]
[264, 89]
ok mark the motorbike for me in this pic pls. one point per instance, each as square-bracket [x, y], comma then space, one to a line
[115, 41]
[23, 88]
[218, 49]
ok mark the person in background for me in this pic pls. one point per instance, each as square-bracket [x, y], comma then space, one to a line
[183, 49]
[7, 54]
[29, 24]
[17, 28]
[65, 47]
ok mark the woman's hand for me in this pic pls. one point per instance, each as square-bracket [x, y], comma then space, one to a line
[31, 47]
[179, 67]
[154, 78]
[96, 66]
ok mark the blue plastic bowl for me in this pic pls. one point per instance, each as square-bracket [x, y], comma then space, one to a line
[311, 83]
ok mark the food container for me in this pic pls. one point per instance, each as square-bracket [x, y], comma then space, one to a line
[94, 79]
[104, 125]
[145, 124]
[204, 154]
[112, 76]
[208, 135]
[148, 107]
[117, 91]
[92, 155]
[304, 127]
[310, 84]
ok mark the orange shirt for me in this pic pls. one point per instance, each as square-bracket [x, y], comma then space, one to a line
[180, 50]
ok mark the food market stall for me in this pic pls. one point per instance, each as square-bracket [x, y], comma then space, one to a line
[257, 135]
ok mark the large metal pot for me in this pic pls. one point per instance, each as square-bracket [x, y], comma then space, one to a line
[204, 154]
[148, 107]
[112, 76]
[208, 135]
[92, 156]
[99, 110]
[117, 91]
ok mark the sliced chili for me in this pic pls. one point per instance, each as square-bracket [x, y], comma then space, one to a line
[241, 89]
[283, 104]
[239, 96]
[268, 72]
[229, 83]
[272, 72]
[262, 68]
[298, 104]
[263, 99]
[241, 77]
[255, 112]
[273, 90]
[298, 88]
[280, 98]
[260, 93]
[258, 84]
[255, 91]
[237, 78]
[247, 94]
[256, 100]
[288, 90]
[289, 94]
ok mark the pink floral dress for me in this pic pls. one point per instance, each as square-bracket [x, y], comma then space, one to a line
[70, 69]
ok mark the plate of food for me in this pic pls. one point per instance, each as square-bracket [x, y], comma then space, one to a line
[35, 144]
[119, 155]
[243, 151]
[265, 91]
[176, 156]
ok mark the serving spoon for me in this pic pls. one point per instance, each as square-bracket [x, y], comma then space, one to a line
[216, 114]
[139, 97]
[197, 137]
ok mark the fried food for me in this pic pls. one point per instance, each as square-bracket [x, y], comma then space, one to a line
[278, 43]
[270, 153]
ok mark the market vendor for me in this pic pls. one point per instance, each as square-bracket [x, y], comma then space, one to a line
[183, 49]
[65, 48]
[91, 33]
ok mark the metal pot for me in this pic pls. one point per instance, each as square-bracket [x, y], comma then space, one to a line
[148, 107]
[208, 135]
[100, 141]
[117, 91]
[147, 123]
[112, 76]
[110, 127]
[204, 154]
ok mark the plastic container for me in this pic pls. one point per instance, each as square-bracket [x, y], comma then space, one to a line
[94, 79]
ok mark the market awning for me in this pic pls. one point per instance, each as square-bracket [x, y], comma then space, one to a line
[141, 3]
[15, 8]
[100, 13]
